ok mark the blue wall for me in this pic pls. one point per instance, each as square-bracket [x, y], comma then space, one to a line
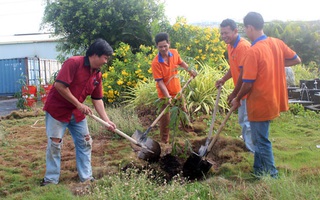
[10, 73]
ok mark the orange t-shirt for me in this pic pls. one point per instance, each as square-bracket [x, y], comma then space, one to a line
[235, 54]
[263, 65]
[167, 72]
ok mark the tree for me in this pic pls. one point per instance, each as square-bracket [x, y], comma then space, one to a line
[301, 36]
[79, 22]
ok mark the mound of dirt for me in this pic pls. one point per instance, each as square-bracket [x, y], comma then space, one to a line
[225, 150]
[23, 114]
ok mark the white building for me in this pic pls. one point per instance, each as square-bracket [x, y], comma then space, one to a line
[30, 55]
[39, 45]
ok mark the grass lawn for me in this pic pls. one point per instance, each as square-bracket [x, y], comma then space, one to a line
[294, 138]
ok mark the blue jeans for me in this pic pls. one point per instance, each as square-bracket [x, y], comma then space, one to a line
[245, 125]
[263, 155]
[78, 131]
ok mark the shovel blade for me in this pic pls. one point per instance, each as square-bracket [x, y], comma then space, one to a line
[195, 167]
[203, 150]
[152, 151]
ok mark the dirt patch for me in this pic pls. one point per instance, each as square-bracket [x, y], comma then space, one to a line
[147, 114]
[27, 142]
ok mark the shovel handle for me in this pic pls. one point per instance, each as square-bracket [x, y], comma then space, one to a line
[116, 130]
[214, 113]
[213, 141]
[164, 110]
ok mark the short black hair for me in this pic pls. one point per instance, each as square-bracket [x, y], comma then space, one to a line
[161, 37]
[229, 22]
[99, 47]
[254, 19]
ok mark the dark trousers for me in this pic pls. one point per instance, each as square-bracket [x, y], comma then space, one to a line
[165, 120]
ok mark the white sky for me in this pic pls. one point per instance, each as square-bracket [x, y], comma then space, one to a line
[24, 16]
[218, 10]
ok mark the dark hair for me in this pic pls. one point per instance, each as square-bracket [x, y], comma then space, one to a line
[254, 19]
[229, 22]
[99, 47]
[161, 37]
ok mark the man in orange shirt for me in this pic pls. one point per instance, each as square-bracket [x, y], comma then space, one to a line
[237, 47]
[165, 72]
[264, 82]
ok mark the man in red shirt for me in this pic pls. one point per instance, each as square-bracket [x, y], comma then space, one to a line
[78, 78]
[165, 72]
[264, 82]
[237, 46]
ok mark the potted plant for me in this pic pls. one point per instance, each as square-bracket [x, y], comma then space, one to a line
[28, 95]
[44, 91]
[45, 88]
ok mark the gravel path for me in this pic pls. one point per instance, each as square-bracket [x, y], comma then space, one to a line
[7, 106]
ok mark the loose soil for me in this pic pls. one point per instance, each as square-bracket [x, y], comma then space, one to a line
[109, 155]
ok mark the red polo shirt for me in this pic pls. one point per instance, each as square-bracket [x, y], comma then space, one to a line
[75, 74]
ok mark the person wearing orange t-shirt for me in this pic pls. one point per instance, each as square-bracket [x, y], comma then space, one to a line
[264, 83]
[237, 46]
[165, 72]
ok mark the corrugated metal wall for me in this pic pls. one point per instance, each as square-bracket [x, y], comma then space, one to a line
[33, 71]
[10, 73]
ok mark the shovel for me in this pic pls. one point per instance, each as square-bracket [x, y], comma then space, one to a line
[196, 166]
[150, 150]
[203, 149]
[141, 137]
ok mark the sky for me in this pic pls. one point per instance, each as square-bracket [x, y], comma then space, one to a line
[24, 16]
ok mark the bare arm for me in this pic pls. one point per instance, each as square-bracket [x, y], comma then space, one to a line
[191, 72]
[236, 88]
[163, 89]
[295, 61]
[226, 77]
[66, 93]
[245, 89]
[99, 107]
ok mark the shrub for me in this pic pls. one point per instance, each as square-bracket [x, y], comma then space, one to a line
[126, 71]
[195, 44]
[302, 72]
[200, 94]
[199, 44]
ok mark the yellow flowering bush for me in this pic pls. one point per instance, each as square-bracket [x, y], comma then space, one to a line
[199, 44]
[126, 70]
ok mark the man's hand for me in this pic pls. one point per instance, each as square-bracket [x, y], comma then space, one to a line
[112, 126]
[235, 103]
[231, 97]
[84, 109]
[220, 83]
[193, 73]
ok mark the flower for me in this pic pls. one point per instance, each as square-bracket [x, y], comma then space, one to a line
[105, 75]
[120, 82]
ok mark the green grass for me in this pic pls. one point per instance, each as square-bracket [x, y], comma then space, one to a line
[294, 139]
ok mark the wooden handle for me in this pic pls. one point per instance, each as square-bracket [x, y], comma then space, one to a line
[220, 129]
[116, 130]
[214, 113]
[164, 110]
